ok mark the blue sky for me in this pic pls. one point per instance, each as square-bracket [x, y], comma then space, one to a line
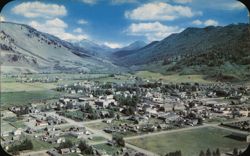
[117, 23]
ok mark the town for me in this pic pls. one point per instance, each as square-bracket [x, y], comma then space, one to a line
[92, 117]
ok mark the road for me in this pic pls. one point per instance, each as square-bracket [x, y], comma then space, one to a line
[107, 136]
[102, 133]
[165, 132]
[35, 153]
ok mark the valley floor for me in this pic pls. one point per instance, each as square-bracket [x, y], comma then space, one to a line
[37, 91]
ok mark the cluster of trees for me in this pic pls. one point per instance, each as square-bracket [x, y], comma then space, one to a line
[209, 153]
[66, 144]
[151, 85]
[119, 140]
[85, 148]
[236, 152]
[130, 102]
[176, 153]
[24, 145]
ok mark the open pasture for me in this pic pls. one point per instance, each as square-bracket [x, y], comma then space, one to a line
[190, 142]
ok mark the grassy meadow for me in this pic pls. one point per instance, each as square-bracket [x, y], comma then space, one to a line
[190, 142]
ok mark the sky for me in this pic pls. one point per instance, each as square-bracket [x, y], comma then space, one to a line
[116, 23]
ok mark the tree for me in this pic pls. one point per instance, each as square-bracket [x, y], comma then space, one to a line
[202, 153]
[176, 153]
[214, 154]
[85, 148]
[66, 144]
[118, 117]
[119, 140]
[111, 113]
[88, 108]
[24, 145]
[208, 153]
[235, 152]
[217, 152]
[200, 121]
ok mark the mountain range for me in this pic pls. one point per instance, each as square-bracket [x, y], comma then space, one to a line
[213, 50]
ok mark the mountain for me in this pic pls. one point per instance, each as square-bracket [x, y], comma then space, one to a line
[93, 48]
[134, 46]
[196, 51]
[129, 49]
[24, 49]
[191, 41]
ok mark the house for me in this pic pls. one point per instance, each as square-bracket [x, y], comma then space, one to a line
[65, 151]
[168, 116]
[16, 138]
[29, 130]
[162, 126]
[77, 150]
[248, 138]
[244, 113]
[60, 140]
[41, 123]
[53, 152]
[17, 132]
[5, 134]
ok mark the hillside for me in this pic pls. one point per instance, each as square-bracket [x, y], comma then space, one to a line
[94, 48]
[24, 49]
[130, 49]
[209, 50]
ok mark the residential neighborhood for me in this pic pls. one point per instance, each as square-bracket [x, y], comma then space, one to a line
[91, 113]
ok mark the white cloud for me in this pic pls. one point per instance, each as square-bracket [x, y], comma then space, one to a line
[152, 31]
[234, 5]
[209, 22]
[2, 18]
[113, 45]
[197, 22]
[123, 1]
[91, 2]
[39, 9]
[57, 27]
[78, 30]
[182, 1]
[82, 21]
[230, 5]
[160, 11]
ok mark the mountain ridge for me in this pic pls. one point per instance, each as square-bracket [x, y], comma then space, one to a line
[24, 49]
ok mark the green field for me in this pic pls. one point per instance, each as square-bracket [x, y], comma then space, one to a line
[17, 86]
[107, 148]
[41, 145]
[6, 127]
[99, 126]
[175, 78]
[75, 115]
[190, 142]
[23, 97]
[98, 138]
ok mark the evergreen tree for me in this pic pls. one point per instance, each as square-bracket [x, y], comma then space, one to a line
[202, 153]
[235, 152]
[119, 140]
[208, 153]
[85, 148]
[214, 154]
[66, 144]
[217, 152]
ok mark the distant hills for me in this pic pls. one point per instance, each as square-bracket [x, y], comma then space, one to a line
[130, 49]
[94, 48]
[219, 52]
